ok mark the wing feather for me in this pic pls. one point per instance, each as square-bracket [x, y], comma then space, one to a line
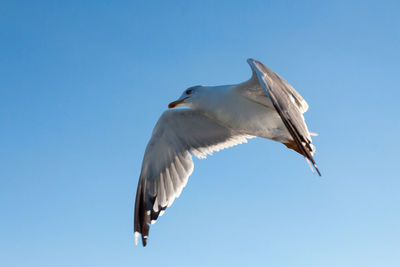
[290, 106]
[167, 163]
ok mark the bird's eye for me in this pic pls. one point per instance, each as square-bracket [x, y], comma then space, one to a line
[189, 91]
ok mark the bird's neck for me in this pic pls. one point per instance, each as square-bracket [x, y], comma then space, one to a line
[215, 101]
[211, 98]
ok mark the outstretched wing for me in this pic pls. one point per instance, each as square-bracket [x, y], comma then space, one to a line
[290, 106]
[167, 162]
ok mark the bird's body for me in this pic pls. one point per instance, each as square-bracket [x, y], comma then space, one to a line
[243, 111]
[218, 117]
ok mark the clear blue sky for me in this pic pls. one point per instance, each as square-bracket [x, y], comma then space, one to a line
[83, 83]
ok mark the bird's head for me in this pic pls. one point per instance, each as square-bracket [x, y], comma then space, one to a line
[188, 97]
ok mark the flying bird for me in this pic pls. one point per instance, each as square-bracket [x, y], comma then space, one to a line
[217, 117]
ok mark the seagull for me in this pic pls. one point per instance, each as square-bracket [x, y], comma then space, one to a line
[216, 117]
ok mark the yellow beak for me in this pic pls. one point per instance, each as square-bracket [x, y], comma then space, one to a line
[176, 103]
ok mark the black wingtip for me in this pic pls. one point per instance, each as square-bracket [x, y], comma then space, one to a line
[141, 220]
[319, 173]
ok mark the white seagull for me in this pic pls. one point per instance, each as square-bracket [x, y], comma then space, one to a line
[218, 117]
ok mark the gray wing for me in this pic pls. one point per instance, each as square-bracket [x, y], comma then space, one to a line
[290, 106]
[167, 162]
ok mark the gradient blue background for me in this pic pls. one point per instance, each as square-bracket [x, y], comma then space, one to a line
[83, 83]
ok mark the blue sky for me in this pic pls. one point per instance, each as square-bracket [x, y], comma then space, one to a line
[83, 83]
